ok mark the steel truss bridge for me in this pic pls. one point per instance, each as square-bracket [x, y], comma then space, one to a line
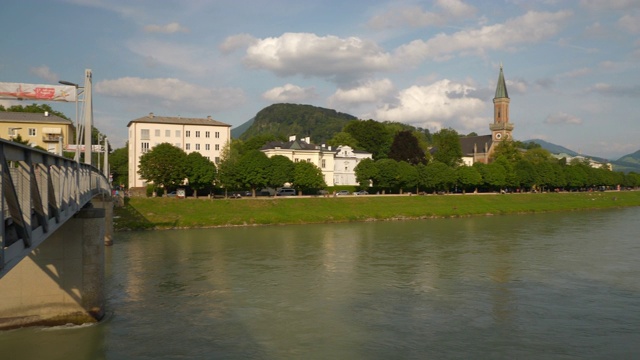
[39, 192]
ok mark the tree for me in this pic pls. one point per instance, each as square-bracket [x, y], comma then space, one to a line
[343, 138]
[253, 170]
[437, 176]
[468, 177]
[257, 142]
[407, 176]
[405, 147]
[119, 162]
[228, 176]
[387, 175]
[447, 145]
[508, 150]
[201, 172]
[366, 171]
[281, 170]
[307, 177]
[371, 135]
[164, 165]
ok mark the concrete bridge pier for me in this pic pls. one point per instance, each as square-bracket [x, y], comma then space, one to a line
[62, 280]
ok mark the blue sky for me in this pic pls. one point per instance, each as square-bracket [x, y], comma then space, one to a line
[572, 67]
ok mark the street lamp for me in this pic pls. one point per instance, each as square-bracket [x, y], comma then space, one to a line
[78, 126]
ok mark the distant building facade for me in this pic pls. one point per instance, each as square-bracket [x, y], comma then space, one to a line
[481, 148]
[346, 160]
[206, 136]
[46, 130]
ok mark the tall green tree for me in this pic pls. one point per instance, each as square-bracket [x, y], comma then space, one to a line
[366, 171]
[437, 176]
[281, 170]
[447, 145]
[119, 163]
[201, 172]
[228, 176]
[307, 177]
[468, 178]
[371, 136]
[405, 147]
[407, 177]
[253, 170]
[343, 138]
[164, 165]
[388, 177]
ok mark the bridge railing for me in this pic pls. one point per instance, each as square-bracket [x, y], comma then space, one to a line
[39, 192]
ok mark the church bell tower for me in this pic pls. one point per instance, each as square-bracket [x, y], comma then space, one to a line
[501, 128]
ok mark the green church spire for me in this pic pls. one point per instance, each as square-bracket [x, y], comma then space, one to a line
[501, 89]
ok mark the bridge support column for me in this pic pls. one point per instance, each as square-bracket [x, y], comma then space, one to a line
[61, 281]
[106, 203]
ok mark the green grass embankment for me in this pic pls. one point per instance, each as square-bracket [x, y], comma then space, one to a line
[168, 213]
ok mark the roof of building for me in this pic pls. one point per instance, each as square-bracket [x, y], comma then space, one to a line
[177, 120]
[469, 143]
[291, 145]
[26, 117]
[501, 88]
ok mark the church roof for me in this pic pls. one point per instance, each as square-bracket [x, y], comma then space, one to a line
[468, 144]
[501, 89]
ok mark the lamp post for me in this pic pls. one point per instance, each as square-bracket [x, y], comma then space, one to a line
[78, 127]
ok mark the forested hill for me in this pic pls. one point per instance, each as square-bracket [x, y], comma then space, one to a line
[283, 120]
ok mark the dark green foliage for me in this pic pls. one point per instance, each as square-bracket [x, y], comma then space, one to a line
[366, 171]
[343, 138]
[201, 172]
[447, 145]
[252, 170]
[258, 141]
[371, 136]
[35, 108]
[405, 147]
[283, 120]
[281, 170]
[164, 165]
[308, 178]
[119, 163]
[468, 178]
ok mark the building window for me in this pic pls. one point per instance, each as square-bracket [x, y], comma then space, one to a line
[308, 160]
[197, 133]
[145, 147]
[207, 146]
[208, 158]
[217, 135]
[167, 133]
[32, 132]
[197, 146]
[13, 131]
[217, 147]
[207, 134]
[296, 160]
[217, 160]
[324, 163]
[157, 132]
[144, 134]
[187, 146]
[177, 133]
[187, 133]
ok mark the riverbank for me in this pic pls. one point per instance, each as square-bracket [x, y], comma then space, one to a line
[173, 213]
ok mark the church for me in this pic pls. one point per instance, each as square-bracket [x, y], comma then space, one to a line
[480, 148]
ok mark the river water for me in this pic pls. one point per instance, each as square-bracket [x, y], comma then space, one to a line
[543, 286]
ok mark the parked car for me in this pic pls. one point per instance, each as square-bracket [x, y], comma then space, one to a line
[171, 194]
[235, 195]
[342, 193]
[361, 192]
[286, 192]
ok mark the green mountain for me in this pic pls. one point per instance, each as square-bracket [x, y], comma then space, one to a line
[552, 148]
[284, 120]
[237, 131]
[628, 163]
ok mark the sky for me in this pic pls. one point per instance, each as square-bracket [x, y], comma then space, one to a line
[572, 67]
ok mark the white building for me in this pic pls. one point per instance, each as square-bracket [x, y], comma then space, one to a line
[206, 136]
[303, 150]
[345, 162]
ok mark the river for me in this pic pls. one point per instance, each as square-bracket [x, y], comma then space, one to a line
[542, 286]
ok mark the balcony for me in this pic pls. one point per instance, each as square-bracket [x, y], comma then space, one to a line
[51, 137]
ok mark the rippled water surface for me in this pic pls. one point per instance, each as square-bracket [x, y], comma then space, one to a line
[548, 286]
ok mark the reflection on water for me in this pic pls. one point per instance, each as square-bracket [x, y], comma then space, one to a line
[531, 286]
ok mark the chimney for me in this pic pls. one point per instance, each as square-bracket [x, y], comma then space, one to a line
[208, 117]
[46, 113]
[292, 138]
[307, 140]
[151, 115]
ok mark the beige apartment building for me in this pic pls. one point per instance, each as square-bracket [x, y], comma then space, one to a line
[46, 130]
[206, 136]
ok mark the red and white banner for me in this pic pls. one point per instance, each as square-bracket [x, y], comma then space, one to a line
[20, 91]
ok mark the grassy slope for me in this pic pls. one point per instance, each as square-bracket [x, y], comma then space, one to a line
[163, 213]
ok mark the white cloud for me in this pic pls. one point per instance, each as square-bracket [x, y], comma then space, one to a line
[615, 90]
[529, 28]
[434, 105]
[576, 73]
[170, 28]
[516, 86]
[338, 59]
[235, 42]
[45, 73]
[630, 23]
[289, 93]
[171, 93]
[371, 91]
[562, 118]
[603, 5]
[415, 16]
